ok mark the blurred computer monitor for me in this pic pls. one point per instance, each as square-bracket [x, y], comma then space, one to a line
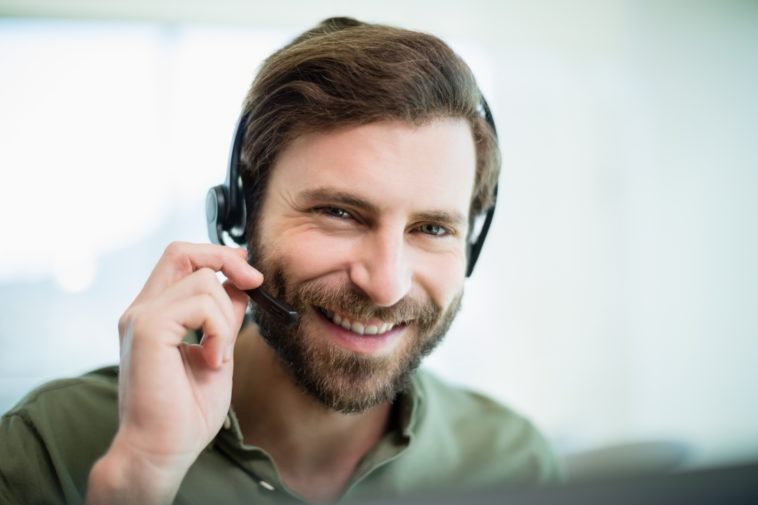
[730, 485]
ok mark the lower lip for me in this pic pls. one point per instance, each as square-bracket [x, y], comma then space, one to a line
[363, 344]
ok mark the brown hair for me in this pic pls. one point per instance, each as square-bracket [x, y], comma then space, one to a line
[344, 72]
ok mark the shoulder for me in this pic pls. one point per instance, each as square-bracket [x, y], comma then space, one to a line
[65, 407]
[482, 438]
[66, 411]
[52, 436]
[93, 387]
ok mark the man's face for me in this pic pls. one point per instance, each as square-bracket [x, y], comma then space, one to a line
[363, 230]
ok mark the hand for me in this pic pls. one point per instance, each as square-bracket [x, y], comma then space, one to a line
[173, 397]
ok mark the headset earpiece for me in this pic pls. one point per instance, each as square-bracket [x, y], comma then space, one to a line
[225, 212]
[216, 212]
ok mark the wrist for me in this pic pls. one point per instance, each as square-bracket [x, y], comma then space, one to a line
[124, 476]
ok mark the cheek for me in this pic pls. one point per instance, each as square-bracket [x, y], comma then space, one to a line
[441, 277]
[309, 255]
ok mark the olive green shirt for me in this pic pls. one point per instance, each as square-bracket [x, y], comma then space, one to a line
[444, 438]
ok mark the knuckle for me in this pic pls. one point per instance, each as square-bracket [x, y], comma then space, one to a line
[126, 321]
[207, 275]
[207, 303]
[175, 249]
[129, 319]
[213, 314]
[128, 327]
[123, 323]
[177, 254]
[144, 327]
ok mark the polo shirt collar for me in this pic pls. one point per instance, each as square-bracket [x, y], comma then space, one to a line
[259, 464]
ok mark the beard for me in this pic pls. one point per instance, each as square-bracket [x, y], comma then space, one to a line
[340, 379]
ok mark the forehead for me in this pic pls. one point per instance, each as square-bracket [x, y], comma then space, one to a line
[393, 164]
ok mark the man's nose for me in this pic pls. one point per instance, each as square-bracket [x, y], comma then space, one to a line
[382, 269]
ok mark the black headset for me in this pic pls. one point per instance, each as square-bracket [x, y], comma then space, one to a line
[225, 210]
[226, 213]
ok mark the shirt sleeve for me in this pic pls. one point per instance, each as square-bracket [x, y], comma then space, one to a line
[27, 473]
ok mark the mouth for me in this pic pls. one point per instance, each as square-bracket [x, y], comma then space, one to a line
[372, 327]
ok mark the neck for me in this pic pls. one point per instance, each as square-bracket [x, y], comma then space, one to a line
[316, 449]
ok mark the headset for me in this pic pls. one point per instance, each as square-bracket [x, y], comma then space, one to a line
[227, 218]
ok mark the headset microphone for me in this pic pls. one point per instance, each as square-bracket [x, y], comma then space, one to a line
[226, 218]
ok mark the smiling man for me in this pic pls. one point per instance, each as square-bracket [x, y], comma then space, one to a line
[366, 157]
[374, 266]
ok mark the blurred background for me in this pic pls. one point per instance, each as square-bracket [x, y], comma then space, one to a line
[616, 301]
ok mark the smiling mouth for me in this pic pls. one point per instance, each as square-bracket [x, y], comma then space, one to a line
[359, 327]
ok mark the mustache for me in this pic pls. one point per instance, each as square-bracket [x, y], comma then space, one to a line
[357, 305]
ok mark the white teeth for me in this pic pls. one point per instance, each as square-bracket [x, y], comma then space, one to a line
[359, 328]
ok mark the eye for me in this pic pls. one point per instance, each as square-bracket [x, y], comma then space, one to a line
[434, 230]
[335, 212]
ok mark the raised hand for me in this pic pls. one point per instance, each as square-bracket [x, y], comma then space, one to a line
[173, 396]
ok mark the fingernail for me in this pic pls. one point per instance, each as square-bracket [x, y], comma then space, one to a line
[229, 352]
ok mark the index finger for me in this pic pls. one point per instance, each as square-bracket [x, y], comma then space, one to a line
[182, 258]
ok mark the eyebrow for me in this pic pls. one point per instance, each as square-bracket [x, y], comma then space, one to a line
[334, 196]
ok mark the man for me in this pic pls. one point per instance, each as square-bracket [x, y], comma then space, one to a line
[366, 158]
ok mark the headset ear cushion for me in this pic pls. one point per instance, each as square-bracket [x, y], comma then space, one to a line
[216, 212]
